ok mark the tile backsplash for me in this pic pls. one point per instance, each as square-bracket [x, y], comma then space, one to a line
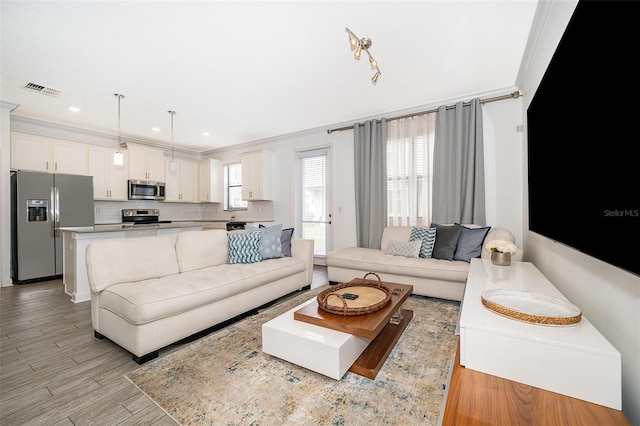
[111, 211]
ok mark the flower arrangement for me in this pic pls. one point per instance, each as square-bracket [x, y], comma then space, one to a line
[502, 246]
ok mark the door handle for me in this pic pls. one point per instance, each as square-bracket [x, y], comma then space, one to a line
[52, 212]
[57, 212]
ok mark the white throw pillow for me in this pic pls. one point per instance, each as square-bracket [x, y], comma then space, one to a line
[404, 248]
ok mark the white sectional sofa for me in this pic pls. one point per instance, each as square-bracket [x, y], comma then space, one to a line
[147, 293]
[444, 279]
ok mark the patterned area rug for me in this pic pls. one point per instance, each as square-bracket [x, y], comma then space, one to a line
[225, 378]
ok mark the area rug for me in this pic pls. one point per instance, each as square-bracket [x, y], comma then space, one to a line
[226, 379]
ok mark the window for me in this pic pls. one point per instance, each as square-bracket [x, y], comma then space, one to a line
[410, 170]
[233, 187]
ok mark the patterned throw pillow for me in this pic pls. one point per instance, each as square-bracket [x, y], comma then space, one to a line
[270, 240]
[404, 248]
[244, 248]
[428, 238]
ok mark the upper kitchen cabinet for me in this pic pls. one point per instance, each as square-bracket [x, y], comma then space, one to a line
[109, 180]
[181, 184]
[146, 163]
[256, 176]
[45, 154]
[210, 181]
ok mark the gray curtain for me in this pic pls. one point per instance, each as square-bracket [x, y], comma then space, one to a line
[458, 169]
[370, 149]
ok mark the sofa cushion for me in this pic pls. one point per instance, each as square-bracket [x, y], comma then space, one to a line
[270, 240]
[201, 249]
[109, 261]
[244, 247]
[404, 248]
[446, 241]
[470, 243]
[428, 238]
[398, 233]
[152, 299]
[366, 259]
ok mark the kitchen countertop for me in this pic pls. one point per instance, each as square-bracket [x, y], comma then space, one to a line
[131, 227]
[116, 227]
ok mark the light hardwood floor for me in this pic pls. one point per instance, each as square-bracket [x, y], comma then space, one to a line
[54, 372]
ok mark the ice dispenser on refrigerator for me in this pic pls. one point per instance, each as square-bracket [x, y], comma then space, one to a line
[37, 210]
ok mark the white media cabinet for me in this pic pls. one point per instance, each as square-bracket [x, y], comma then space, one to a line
[574, 360]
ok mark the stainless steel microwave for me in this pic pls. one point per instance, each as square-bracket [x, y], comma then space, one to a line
[146, 190]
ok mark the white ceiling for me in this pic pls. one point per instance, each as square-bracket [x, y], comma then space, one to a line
[246, 71]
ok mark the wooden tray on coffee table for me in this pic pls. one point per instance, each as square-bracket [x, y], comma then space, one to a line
[375, 326]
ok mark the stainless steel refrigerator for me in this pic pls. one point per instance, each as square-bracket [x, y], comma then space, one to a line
[42, 203]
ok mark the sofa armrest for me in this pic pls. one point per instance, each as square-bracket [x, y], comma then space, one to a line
[303, 249]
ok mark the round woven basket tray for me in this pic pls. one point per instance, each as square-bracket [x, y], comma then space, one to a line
[372, 296]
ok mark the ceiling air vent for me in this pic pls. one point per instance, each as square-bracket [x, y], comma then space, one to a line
[37, 88]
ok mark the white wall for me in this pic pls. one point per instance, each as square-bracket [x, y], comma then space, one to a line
[609, 297]
[503, 168]
[5, 192]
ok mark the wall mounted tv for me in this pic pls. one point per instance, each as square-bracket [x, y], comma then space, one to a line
[583, 131]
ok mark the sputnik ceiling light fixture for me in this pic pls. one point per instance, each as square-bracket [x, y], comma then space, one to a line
[357, 46]
[118, 156]
[172, 163]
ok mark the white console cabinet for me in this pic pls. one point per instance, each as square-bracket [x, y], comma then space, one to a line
[574, 360]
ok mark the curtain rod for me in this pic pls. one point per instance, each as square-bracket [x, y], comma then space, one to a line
[512, 95]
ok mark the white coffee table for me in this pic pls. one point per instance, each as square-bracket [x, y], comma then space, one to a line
[316, 348]
[334, 344]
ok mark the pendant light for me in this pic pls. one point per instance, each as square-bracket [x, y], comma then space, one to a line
[118, 156]
[172, 163]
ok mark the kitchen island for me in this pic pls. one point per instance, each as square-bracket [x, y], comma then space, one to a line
[76, 239]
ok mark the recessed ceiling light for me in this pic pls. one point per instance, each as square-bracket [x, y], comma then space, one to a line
[74, 109]
[155, 129]
[205, 133]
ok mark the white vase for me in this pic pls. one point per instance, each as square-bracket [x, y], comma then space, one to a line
[500, 259]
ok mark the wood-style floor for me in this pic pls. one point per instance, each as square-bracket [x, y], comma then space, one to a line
[54, 372]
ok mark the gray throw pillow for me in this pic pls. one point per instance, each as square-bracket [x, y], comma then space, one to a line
[446, 241]
[470, 243]
[287, 234]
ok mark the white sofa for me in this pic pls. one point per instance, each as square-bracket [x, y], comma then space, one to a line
[147, 293]
[444, 279]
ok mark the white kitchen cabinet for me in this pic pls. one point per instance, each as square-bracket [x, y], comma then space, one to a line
[210, 181]
[256, 176]
[146, 163]
[109, 180]
[45, 154]
[181, 184]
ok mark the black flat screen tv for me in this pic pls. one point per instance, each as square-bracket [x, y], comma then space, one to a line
[583, 137]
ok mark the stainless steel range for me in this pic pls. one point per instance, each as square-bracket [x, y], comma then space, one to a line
[142, 216]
